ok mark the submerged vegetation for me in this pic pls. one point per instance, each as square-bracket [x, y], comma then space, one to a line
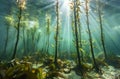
[90, 37]
[59, 43]
[21, 5]
[57, 32]
[102, 30]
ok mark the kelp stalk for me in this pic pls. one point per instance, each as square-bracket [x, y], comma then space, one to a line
[21, 5]
[101, 29]
[18, 33]
[90, 37]
[57, 32]
[79, 27]
[76, 34]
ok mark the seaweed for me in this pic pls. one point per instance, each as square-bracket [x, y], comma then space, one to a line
[78, 11]
[76, 36]
[90, 37]
[57, 32]
[102, 30]
[21, 6]
[18, 33]
[40, 58]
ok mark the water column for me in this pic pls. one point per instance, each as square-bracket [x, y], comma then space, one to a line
[66, 26]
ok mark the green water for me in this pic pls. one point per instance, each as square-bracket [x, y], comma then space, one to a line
[82, 31]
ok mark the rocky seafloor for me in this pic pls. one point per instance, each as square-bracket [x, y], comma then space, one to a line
[46, 69]
[108, 73]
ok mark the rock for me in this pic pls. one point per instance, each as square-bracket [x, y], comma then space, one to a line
[67, 70]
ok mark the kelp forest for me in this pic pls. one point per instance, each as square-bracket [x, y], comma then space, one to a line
[59, 39]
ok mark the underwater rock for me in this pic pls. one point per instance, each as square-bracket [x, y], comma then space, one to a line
[67, 70]
[71, 64]
[108, 72]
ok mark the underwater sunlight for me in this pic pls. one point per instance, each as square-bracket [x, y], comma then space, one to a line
[60, 39]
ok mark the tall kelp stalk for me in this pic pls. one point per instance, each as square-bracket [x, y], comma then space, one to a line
[21, 6]
[90, 36]
[101, 28]
[48, 33]
[79, 26]
[76, 37]
[57, 33]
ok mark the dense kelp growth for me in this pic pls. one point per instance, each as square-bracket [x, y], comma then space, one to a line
[59, 39]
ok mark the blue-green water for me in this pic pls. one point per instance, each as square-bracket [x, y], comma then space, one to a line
[38, 24]
[37, 12]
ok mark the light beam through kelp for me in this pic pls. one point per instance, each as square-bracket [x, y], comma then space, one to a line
[65, 39]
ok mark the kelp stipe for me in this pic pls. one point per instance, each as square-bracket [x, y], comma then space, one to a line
[57, 33]
[90, 37]
[101, 28]
[76, 38]
[79, 26]
[21, 6]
